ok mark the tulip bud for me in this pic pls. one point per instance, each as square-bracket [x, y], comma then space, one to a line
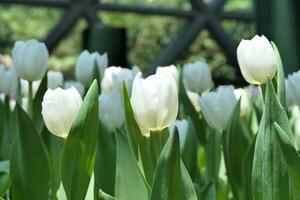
[169, 70]
[197, 77]
[24, 87]
[111, 110]
[245, 104]
[218, 106]
[257, 60]
[55, 79]
[30, 59]
[77, 85]
[113, 79]
[59, 109]
[8, 80]
[155, 101]
[194, 98]
[292, 89]
[84, 69]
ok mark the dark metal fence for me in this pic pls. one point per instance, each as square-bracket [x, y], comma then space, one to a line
[202, 15]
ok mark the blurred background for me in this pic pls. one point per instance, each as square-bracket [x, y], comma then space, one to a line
[148, 33]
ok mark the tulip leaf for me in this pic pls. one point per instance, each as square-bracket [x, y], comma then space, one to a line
[291, 157]
[130, 183]
[104, 196]
[105, 165]
[172, 180]
[79, 150]
[28, 164]
[190, 111]
[37, 105]
[137, 140]
[5, 181]
[269, 174]
[280, 76]
[208, 191]
[235, 145]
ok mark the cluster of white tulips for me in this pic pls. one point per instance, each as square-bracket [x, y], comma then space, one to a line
[171, 135]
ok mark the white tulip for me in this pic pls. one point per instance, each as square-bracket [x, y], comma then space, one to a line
[24, 87]
[134, 70]
[218, 106]
[197, 77]
[292, 89]
[169, 70]
[59, 109]
[77, 85]
[182, 126]
[113, 79]
[194, 98]
[30, 59]
[55, 79]
[111, 110]
[8, 80]
[155, 101]
[84, 69]
[257, 60]
[245, 103]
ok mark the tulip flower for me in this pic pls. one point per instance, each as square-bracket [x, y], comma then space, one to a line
[55, 79]
[8, 80]
[170, 70]
[84, 69]
[113, 79]
[59, 109]
[257, 60]
[134, 70]
[77, 85]
[111, 110]
[30, 59]
[292, 89]
[155, 101]
[218, 106]
[197, 77]
[25, 85]
[245, 104]
[194, 98]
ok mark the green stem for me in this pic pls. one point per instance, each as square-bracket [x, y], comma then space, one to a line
[30, 100]
[156, 145]
[263, 91]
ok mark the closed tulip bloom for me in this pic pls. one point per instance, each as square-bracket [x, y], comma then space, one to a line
[292, 89]
[245, 103]
[113, 79]
[155, 101]
[55, 79]
[111, 110]
[170, 70]
[217, 107]
[257, 60]
[59, 109]
[30, 59]
[8, 80]
[134, 70]
[77, 85]
[84, 69]
[197, 77]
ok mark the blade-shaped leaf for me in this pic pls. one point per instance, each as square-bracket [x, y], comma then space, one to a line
[5, 181]
[130, 183]
[207, 192]
[137, 140]
[171, 177]
[37, 105]
[79, 150]
[235, 145]
[269, 174]
[29, 165]
[104, 196]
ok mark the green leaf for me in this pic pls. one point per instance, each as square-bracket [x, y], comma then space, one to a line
[130, 183]
[291, 157]
[137, 141]
[104, 196]
[37, 105]
[29, 165]
[90, 192]
[5, 181]
[105, 166]
[172, 180]
[280, 76]
[79, 150]
[235, 145]
[208, 191]
[269, 173]
[191, 112]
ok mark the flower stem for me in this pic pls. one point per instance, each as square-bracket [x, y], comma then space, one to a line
[30, 100]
